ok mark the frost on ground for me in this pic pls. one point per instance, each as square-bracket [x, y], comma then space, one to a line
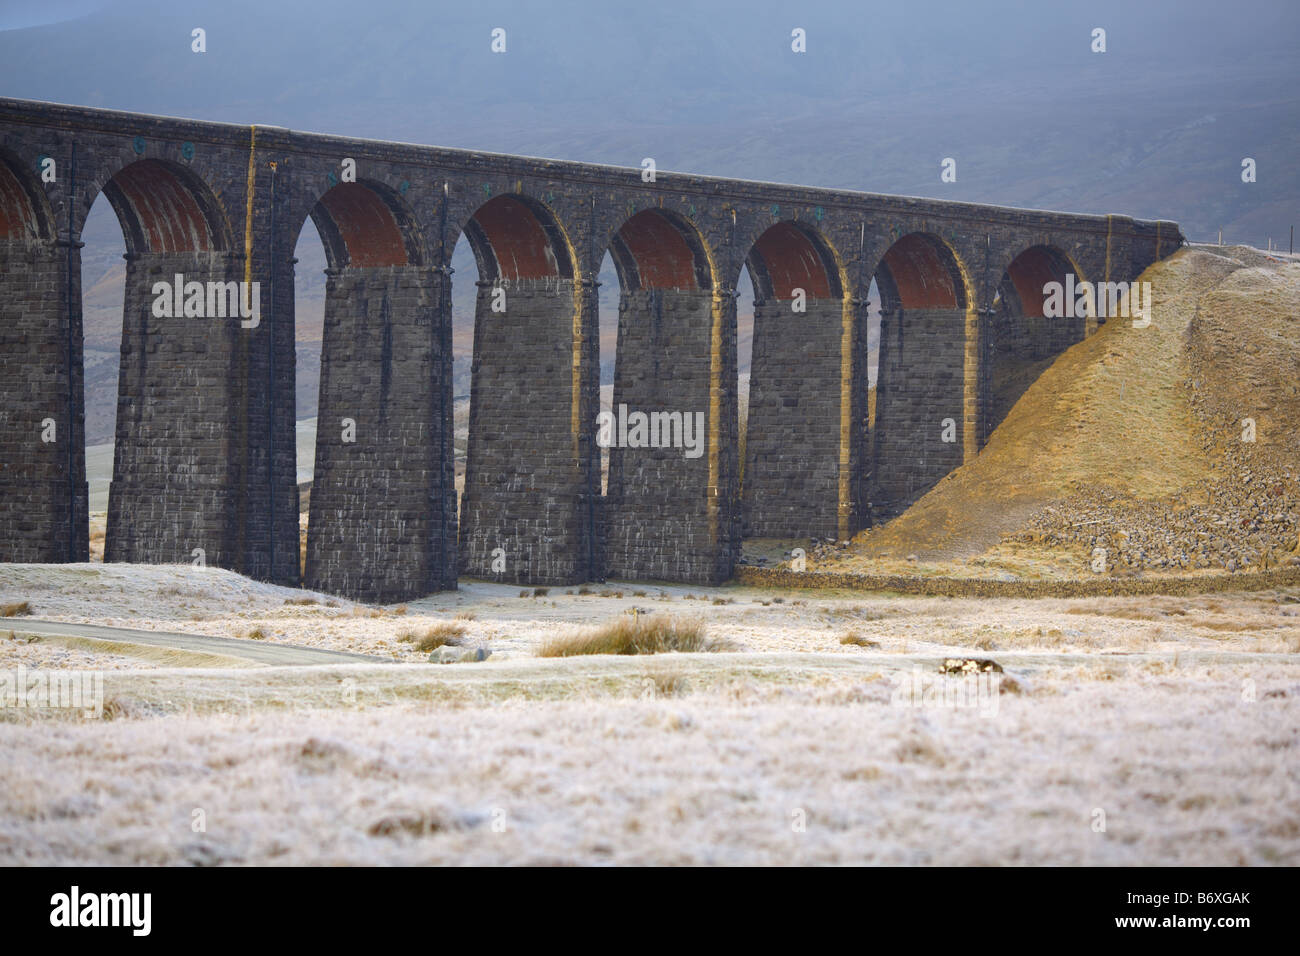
[1139, 771]
[495, 616]
[1157, 730]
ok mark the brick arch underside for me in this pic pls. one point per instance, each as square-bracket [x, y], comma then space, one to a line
[1030, 272]
[921, 273]
[654, 252]
[160, 213]
[787, 259]
[360, 228]
[512, 242]
[18, 215]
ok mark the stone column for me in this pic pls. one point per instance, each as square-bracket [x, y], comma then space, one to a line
[43, 494]
[376, 518]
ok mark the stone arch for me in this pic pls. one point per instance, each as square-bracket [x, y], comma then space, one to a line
[516, 237]
[24, 211]
[791, 484]
[671, 499]
[42, 483]
[1019, 341]
[165, 208]
[366, 224]
[921, 271]
[382, 420]
[789, 255]
[926, 409]
[528, 508]
[1023, 281]
[659, 249]
[176, 430]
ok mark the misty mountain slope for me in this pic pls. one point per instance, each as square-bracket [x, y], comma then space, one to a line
[1154, 127]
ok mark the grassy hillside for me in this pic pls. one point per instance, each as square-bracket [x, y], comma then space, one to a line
[1132, 441]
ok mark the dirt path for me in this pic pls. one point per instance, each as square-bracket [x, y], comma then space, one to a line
[257, 651]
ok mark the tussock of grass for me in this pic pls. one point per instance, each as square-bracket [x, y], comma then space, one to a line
[256, 634]
[639, 634]
[301, 601]
[16, 609]
[857, 640]
[443, 633]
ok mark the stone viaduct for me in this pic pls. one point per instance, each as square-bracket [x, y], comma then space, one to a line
[205, 443]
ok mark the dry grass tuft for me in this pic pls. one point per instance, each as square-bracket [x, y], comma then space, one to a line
[640, 634]
[17, 609]
[443, 633]
[857, 640]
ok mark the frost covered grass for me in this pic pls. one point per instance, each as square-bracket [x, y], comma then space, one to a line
[1186, 772]
[1178, 717]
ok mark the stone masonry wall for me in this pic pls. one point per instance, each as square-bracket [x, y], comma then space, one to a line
[657, 508]
[172, 490]
[526, 491]
[791, 483]
[375, 525]
[42, 512]
[207, 451]
[920, 383]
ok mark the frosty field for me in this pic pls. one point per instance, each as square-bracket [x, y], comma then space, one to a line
[1125, 731]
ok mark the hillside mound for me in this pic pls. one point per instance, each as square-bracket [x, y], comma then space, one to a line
[1134, 441]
